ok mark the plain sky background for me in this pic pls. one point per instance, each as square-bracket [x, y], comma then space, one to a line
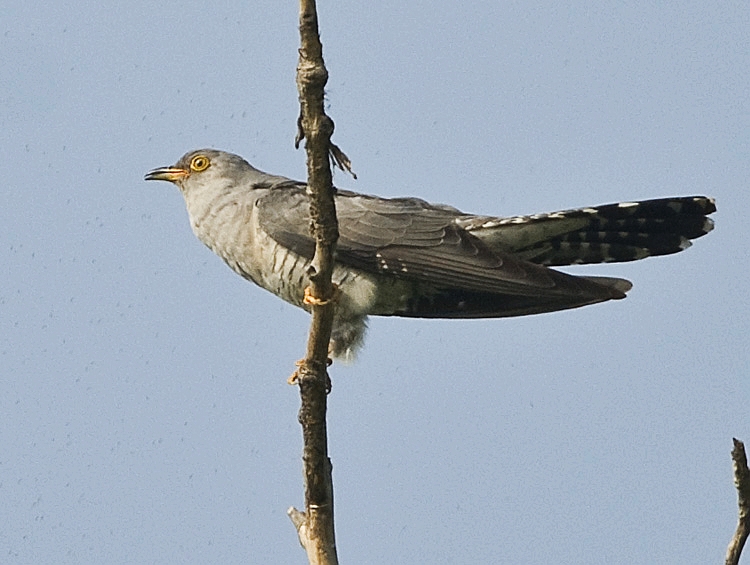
[144, 410]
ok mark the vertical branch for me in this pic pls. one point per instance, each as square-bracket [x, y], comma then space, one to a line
[315, 524]
[742, 482]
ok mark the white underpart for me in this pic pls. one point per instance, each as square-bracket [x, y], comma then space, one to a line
[228, 224]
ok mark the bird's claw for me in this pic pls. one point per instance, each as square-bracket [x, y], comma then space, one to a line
[311, 300]
[294, 378]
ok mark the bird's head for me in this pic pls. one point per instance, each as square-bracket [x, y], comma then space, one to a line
[207, 168]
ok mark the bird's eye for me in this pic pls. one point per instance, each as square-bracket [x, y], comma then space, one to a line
[199, 163]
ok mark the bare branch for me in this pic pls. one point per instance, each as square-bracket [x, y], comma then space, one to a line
[742, 483]
[315, 525]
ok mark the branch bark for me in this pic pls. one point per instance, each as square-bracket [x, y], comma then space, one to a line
[315, 525]
[742, 483]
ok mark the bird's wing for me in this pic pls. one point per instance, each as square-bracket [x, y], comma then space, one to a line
[411, 239]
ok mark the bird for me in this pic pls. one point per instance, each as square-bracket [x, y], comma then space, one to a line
[406, 257]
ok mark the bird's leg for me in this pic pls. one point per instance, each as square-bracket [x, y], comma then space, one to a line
[311, 300]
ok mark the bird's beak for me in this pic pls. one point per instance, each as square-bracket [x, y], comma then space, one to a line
[171, 174]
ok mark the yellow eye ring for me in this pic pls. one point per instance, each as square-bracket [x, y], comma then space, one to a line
[199, 163]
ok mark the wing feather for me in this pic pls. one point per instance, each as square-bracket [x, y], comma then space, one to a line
[411, 239]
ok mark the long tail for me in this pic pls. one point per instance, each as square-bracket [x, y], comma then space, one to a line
[603, 234]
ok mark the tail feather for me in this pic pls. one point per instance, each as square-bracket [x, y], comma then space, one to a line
[603, 234]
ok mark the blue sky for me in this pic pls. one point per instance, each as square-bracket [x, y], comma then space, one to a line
[144, 410]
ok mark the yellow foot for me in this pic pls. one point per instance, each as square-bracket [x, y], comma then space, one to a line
[310, 300]
[294, 379]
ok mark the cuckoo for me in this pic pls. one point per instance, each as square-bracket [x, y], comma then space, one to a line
[407, 257]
